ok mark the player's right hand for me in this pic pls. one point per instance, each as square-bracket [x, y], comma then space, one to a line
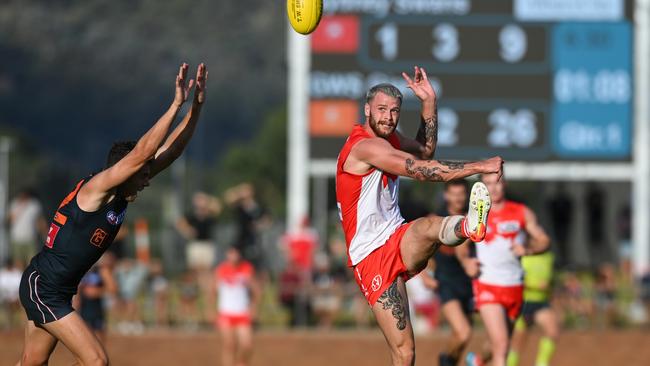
[493, 166]
[472, 267]
[182, 87]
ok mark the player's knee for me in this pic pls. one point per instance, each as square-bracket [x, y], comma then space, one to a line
[98, 358]
[432, 229]
[464, 335]
[33, 358]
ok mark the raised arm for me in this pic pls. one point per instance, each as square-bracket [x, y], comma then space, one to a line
[96, 192]
[177, 141]
[378, 153]
[424, 145]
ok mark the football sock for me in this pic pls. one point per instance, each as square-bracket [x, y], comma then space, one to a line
[545, 351]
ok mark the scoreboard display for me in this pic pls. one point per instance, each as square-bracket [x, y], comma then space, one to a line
[530, 80]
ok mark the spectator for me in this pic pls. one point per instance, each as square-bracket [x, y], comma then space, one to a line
[250, 216]
[93, 287]
[159, 291]
[197, 228]
[291, 292]
[130, 276]
[300, 245]
[26, 225]
[325, 293]
[10, 276]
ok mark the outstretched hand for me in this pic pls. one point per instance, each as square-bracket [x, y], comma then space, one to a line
[420, 84]
[182, 88]
[201, 78]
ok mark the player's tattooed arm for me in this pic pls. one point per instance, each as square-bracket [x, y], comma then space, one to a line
[378, 153]
[427, 134]
[440, 170]
[392, 300]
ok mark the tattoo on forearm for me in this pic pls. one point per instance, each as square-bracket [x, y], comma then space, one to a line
[392, 300]
[428, 133]
[453, 165]
[422, 172]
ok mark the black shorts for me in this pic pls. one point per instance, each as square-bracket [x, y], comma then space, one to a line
[455, 290]
[530, 308]
[42, 303]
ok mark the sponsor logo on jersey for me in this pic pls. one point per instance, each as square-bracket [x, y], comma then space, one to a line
[115, 219]
[508, 227]
[376, 283]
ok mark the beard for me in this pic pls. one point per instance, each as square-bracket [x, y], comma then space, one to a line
[380, 128]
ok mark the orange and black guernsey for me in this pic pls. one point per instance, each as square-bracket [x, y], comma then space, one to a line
[76, 239]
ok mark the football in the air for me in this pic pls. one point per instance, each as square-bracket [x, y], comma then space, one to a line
[304, 15]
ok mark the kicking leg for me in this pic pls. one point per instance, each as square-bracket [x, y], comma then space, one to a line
[426, 234]
[392, 314]
[39, 345]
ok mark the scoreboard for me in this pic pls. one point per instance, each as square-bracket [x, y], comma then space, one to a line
[530, 80]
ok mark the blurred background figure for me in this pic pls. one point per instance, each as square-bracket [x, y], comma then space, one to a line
[297, 278]
[423, 303]
[250, 217]
[159, 295]
[197, 227]
[90, 298]
[11, 314]
[325, 293]
[238, 294]
[27, 226]
[538, 281]
[454, 286]
[131, 276]
[560, 207]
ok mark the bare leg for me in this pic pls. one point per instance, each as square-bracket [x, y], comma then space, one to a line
[73, 332]
[229, 346]
[462, 330]
[391, 312]
[420, 242]
[497, 327]
[547, 320]
[244, 345]
[518, 342]
[39, 345]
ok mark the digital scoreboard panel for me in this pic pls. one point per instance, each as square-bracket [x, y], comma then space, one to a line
[530, 80]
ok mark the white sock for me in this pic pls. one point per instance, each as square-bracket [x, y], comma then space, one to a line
[447, 233]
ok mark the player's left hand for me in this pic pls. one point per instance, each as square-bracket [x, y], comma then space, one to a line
[420, 85]
[201, 79]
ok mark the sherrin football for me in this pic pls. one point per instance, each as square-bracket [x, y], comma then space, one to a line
[304, 15]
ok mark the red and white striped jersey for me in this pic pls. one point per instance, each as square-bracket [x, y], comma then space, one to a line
[367, 203]
[505, 228]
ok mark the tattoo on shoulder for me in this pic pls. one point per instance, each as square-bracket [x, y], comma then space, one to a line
[392, 300]
[421, 172]
[453, 165]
